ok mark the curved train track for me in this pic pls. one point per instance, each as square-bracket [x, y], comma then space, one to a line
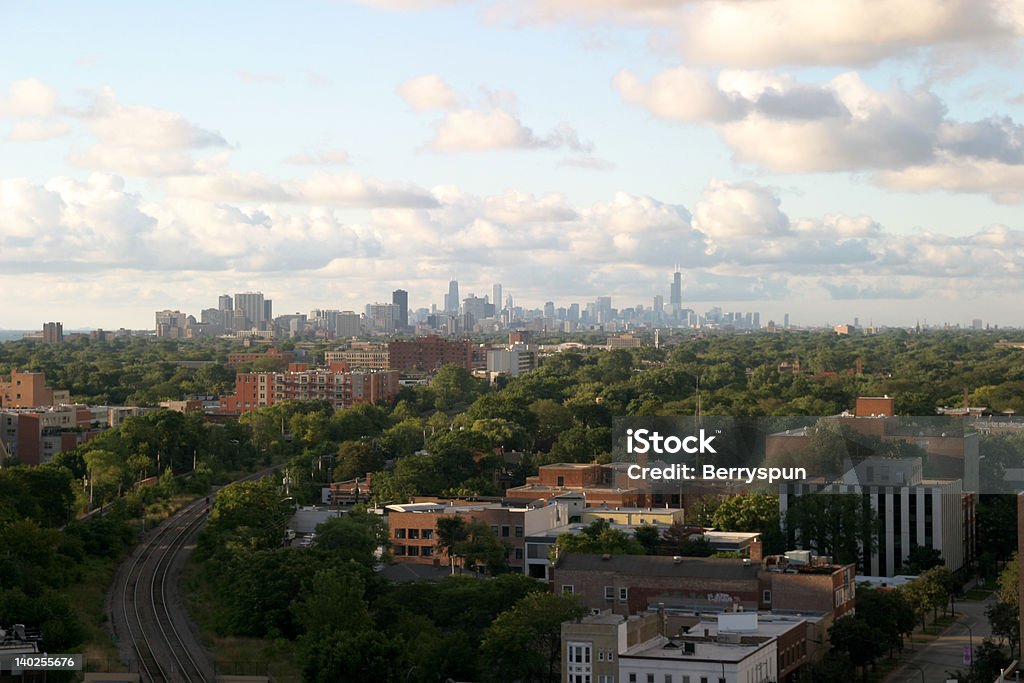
[161, 649]
[164, 648]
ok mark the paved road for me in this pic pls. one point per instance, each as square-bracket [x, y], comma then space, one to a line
[945, 653]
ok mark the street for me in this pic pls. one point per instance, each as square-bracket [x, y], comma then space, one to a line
[933, 661]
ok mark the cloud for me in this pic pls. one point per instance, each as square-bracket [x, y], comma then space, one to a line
[738, 211]
[591, 163]
[492, 127]
[325, 158]
[472, 130]
[428, 92]
[790, 32]
[28, 98]
[140, 140]
[738, 244]
[902, 135]
[37, 131]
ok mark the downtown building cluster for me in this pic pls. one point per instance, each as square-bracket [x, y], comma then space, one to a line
[250, 314]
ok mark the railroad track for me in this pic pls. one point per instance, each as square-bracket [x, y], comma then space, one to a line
[160, 643]
[162, 650]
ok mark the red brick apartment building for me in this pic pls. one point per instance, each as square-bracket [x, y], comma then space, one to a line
[35, 435]
[270, 354]
[412, 528]
[29, 390]
[596, 482]
[336, 385]
[430, 354]
[628, 584]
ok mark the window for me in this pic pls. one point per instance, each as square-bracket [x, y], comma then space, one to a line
[623, 594]
[650, 678]
[399, 533]
[494, 529]
[519, 532]
[398, 549]
[632, 678]
[428, 534]
[668, 678]
[519, 553]
[414, 533]
[427, 551]
[609, 592]
[413, 551]
[504, 531]
[766, 597]
[686, 679]
[567, 588]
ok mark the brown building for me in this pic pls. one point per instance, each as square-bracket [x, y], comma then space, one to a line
[598, 483]
[628, 584]
[29, 390]
[53, 333]
[412, 528]
[362, 355]
[35, 435]
[430, 354]
[337, 386]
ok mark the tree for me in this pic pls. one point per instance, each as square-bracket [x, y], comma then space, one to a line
[524, 643]
[1005, 622]
[753, 512]
[481, 549]
[598, 538]
[858, 640]
[355, 459]
[922, 558]
[451, 533]
[648, 536]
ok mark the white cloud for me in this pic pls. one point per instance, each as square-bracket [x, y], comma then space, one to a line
[28, 98]
[349, 190]
[904, 135]
[428, 92]
[739, 211]
[473, 130]
[791, 32]
[37, 131]
[327, 157]
[140, 140]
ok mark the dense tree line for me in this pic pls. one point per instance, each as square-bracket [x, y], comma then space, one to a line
[350, 624]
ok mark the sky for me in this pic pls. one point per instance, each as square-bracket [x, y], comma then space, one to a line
[856, 158]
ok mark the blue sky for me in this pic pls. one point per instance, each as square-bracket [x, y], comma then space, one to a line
[851, 159]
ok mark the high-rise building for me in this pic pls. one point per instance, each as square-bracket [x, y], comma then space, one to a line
[268, 311]
[252, 307]
[171, 324]
[785, 321]
[496, 298]
[675, 298]
[382, 317]
[451, 299]
[400, 298]
[224, 302]
[347, 325]
[53, 333]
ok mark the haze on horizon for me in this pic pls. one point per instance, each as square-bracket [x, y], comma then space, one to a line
[851, 159]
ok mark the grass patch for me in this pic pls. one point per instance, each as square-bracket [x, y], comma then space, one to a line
[88, 597]
[978, 594]
[232, 654]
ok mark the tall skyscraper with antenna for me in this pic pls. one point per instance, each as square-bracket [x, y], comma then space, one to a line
[451, 299]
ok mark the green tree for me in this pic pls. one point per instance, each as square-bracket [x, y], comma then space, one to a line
[524, 643]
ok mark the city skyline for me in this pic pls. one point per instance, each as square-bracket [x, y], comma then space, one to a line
[788, 160]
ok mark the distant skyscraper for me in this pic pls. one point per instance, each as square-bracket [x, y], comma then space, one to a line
[549, 309]
[496, 297]
[224, 302]
[400, 298]
[252, 307]
[785, 321]
[451, 299]
[53, 333]
[675, 298]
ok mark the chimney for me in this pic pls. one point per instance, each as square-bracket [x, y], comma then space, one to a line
[756, 550]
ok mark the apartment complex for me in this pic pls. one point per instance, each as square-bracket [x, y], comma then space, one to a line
[430, 354]
[362, 355]
[628, 584]
[34, 435]
[337, 385]
[30, 390]
[412, 528]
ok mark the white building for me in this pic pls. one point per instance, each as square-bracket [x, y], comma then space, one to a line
[912, 510]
